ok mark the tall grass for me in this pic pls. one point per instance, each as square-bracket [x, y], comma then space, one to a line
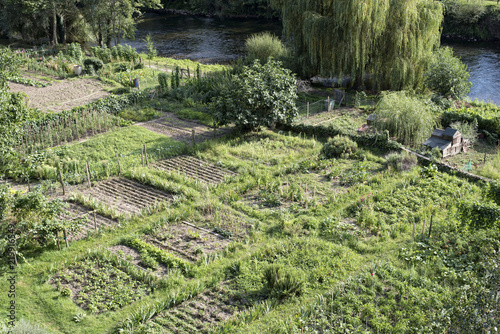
[264, 45]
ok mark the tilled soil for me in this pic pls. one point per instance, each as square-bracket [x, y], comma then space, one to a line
[196, 315]
[181, 130]
[62, 95]
[127, 196]
[77, 211]
[187, 241]
[194, 168]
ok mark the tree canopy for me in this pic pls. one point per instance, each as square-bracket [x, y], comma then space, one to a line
[388, 40]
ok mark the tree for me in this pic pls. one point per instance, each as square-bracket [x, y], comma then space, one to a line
[447, 75]
[388, 40]
[151, 48]
[262, 95]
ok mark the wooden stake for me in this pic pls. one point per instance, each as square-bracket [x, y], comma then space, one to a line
[66, 238]
[142, 156]
[430, 227]
[119, 166]
[88, 174]
[62, 182]
[189, 74]
[146, 155]
[413, 234]
[57, 240]
[193, 134]
[95, 222]
[307, 109]
[423, 229]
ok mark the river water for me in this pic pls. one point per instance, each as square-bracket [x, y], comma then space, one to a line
[216, 40]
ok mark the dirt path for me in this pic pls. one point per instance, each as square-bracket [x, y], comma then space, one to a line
[62, 95]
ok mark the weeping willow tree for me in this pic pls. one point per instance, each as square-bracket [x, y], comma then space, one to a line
[389, 40]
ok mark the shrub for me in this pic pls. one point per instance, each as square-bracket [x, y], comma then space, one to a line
[264, 45]
[408, 118]
[339, 146]
[163, 81]
[468, 130]
[283, 281]
[401, 161]
[93, 63]
[479, 215]
[66, 292]
[262, 95]
[74, 51]
[447, 75]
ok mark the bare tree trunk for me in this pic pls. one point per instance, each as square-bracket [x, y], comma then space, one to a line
[54, 24]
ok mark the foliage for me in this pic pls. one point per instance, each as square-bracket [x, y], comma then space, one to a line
[468, 130]
[74, 51]
[464, 11]
[389, 40]
[447, 75]
[486, 116]
[263, 95]
[93, 64]
[479, 215]
[167, 259]
[152, 52]
[163, 82]
[339, 146]
[401, 161]
[283, 281]
[264, 45]
[410, 119]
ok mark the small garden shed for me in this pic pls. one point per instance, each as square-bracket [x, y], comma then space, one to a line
[449, 141]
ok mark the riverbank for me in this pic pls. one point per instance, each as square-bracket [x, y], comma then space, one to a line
[472, 23]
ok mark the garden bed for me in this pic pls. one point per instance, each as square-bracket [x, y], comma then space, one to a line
[194, 168]
[63, 95]
[127, 196]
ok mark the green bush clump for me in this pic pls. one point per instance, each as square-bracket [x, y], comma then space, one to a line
[264, 45]
[163, 81]
[479, 215]
[66, 292]
[447, 75]
[93, 64]
[339, 146]
[283, 281]
[408, 118]
[401, 161]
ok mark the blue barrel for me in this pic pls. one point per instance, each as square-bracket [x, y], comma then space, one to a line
[136, 83]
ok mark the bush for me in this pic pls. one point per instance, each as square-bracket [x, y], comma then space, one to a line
[264, 45]
[339, 146]
[262, 95]
[447, 75]
[479, 215]
[282, 282]
[410, 119]
[163, 81]
[74, 51]
[93, 63]
[401, 161]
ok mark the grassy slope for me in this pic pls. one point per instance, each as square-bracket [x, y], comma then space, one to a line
[261, 161]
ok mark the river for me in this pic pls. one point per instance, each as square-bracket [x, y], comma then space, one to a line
[216, 40]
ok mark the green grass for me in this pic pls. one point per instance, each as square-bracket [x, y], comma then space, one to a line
[333, 224]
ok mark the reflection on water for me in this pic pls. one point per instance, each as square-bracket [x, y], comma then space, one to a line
[205, 39]
[483, 61]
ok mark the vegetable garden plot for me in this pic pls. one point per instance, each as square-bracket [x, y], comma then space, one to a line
[77, 211]
[198, 314]
[180, 130]
[194, 168]
[128, 196]
[97, 285]
[187, 241]
[133, 256]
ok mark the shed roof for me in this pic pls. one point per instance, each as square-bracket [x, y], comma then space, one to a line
[437, 142]
[451, 132]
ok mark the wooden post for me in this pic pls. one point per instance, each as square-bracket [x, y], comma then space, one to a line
[95, 221]
[57, 240]
[193, 134]
[430, 227]
[423, 229]
[146, 155]
[413, 234]
[62, 182]
[119, 166]
[484, 160]
[142, 156]
[189, 74]
[88, 174]
[307, 109]
[66, 238]
[328, 104]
